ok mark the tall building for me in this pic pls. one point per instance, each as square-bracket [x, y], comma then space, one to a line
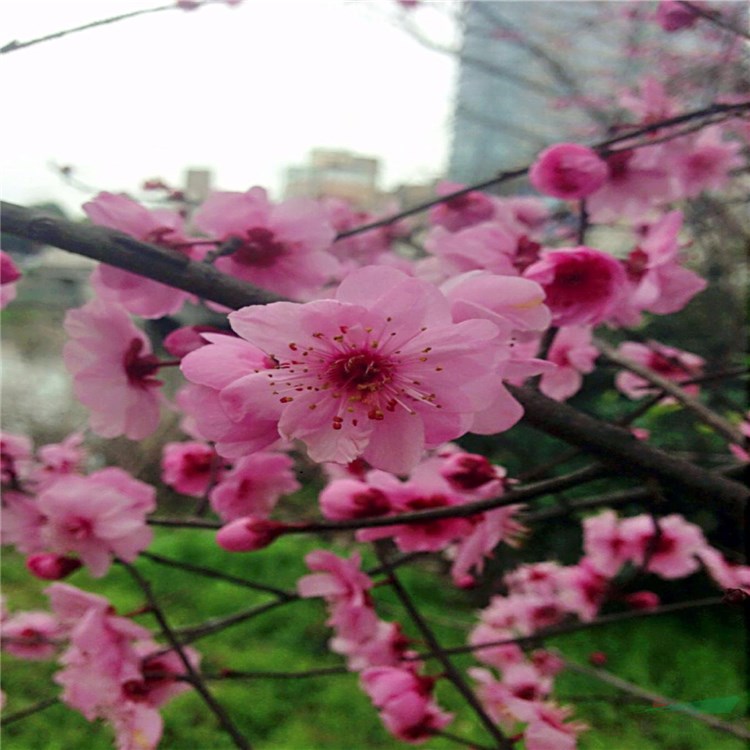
[519, 62]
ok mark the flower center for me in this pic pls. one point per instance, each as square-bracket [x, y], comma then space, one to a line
[360, 371]
[618, 165]
[140, 368]
[259, 248]
[79, 528]
[636, 264]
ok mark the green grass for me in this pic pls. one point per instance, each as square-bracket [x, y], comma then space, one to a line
[689, 658]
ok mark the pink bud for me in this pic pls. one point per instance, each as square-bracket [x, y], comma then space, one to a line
[248, 534]
[184, 340]
[52, 567]
[643, 600]
[568, 171]
[598, 658]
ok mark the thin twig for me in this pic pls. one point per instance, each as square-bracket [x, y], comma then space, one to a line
[706, 415]
[28, 711]
[651, 697]
[715, 18]
[219, 575]
[195, 679]
[451, 672]
[13, 46]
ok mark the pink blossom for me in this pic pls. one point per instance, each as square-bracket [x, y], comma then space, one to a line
[113, 370]
[248, 534]
[704, 162]
[22, 522]
[673, 16]
[568, 171]
[669, 362]
[725, 574]
[574, 354]
[9, 275]
[15, 458]
[488, 246]
[582, 589]
[253, 486]
[605, 546]
[137, 294]
[658, 282]
[670, 552]
[642, 600]
[370, 642]
[405, 702]
[466, 472]
[550, 730]
[346, 499]
[637, 181]
[335, 578]
[211, 369]
[190, 467]
[582, 285]
[463, 210]
[283, 248]
[97, 517]
[380, 372]
[30, 635]
[60, 459]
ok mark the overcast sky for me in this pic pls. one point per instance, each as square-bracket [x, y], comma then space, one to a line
[244, 90]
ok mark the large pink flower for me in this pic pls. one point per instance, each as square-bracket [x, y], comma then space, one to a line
[582, 285]
[283, 248]
[113, 370]
[137, 294]
[380, 372]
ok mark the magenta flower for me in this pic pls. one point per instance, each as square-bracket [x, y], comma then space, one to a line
[380, 372]
[657, 281]
[568, 171]
[669, 362]
[113, 370]
[249, 533]
[574, 354]
[582, 285]
[97, 517]
[605, 546]
[137, 294]
[254, 485]
[463, 210]
[9, 275]
[30, 635]
[190, 467]
[283, 248]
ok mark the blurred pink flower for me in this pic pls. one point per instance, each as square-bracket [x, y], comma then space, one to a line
[284, 248]
[574, 354]
[568, 171]
[113, 370]
[137, 294]
[9, 275]
[582, 285]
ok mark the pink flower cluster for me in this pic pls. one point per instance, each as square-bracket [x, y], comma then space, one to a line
[451, 478]
[52, 511]
[375, 648]
[112, 668]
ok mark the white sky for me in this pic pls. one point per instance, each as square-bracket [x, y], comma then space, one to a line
[244, 90]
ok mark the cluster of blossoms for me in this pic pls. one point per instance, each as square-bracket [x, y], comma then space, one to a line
[371, 365]
[62, 518]
[377, 650]
[112, 669]
[542, 595]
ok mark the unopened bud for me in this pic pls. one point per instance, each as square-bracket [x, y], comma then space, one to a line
[248, 534]
[52, 567]
[643, 600]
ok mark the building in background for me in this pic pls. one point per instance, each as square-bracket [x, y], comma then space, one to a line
[335, 174]
[529, 76]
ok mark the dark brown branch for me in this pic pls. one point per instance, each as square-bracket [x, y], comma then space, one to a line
[193, 676]
[451, 672]
[119, 250]
[618, 447]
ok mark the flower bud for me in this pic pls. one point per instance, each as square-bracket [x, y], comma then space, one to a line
[643, 600]
[249, 533]
[52, 567]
